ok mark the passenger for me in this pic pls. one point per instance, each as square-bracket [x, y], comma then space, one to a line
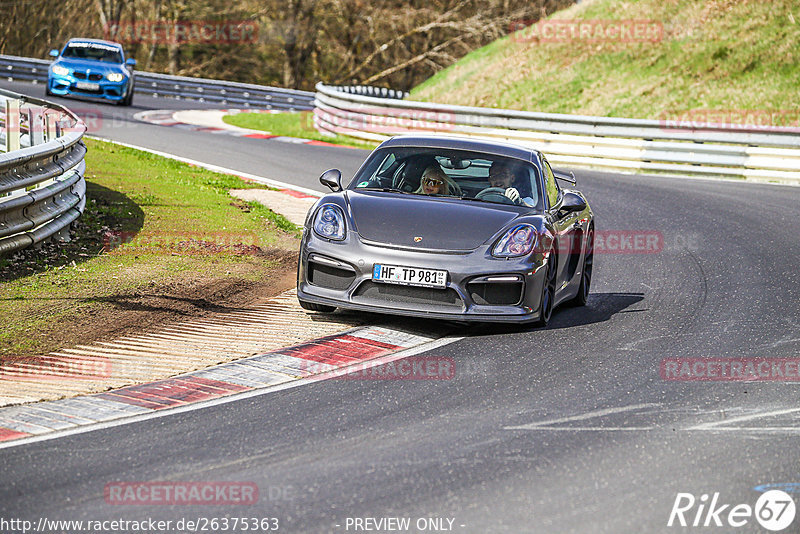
[502, 175]
[435, 182]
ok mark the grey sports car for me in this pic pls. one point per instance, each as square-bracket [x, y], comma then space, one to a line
[448, 228]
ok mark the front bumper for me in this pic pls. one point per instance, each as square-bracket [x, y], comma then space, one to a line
[479, 287]
[67, 85]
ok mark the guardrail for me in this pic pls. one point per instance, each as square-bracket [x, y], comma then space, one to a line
[604, 143]
[42, 189]
[201, 89]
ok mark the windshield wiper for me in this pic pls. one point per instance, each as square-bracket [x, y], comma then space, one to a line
[473, 199]
[384, 190]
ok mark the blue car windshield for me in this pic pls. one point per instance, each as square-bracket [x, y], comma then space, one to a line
[92, 52]
[470, 176]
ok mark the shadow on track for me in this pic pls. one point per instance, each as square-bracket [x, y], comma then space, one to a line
[600, 308]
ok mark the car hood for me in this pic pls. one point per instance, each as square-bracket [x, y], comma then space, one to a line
[95, 66]
[442, 224]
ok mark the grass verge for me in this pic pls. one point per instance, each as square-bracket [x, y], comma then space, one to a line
[299, 124]
[159, 239]
[715, 55]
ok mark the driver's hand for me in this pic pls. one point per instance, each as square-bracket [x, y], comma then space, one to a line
[512, 194]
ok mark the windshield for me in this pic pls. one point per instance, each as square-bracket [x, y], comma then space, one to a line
[92, 51]
[470, 176]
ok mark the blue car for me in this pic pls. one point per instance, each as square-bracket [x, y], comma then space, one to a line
[92, 68]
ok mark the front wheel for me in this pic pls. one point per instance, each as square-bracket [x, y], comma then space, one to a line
[128, 100]
[313, 306]
[548, 292]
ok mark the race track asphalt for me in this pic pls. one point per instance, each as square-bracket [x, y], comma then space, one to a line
[568, 429]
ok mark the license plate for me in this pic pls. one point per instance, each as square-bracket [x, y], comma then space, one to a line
[408, 276]
[87, 86]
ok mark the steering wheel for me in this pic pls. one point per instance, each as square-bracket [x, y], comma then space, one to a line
[399, 180]
[495, 194]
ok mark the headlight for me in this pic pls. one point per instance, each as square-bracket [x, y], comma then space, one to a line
[329, 222]
[518, 241]
[115, 76]
[58, 70]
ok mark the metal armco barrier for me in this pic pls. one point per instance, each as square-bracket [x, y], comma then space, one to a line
[368, 90]
[604, 143]
[201, 89]
[42, 189]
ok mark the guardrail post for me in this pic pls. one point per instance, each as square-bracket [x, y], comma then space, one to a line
[63, 235]
[51, 126]
[35, 126]
[12, 124]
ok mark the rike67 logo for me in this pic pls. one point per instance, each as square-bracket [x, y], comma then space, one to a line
[774, 510]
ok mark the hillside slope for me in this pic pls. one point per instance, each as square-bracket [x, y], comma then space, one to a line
[711, 55]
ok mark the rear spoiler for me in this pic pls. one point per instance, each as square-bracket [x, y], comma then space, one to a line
[566, 176]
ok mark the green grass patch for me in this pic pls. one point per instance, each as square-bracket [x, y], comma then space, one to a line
[300, 124]
[151, 225]
[714, 55]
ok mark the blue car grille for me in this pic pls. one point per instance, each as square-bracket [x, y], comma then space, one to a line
[92, 77]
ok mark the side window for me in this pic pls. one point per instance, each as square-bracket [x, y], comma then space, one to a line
[550, 184]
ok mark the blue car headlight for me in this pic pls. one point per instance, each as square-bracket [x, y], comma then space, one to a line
[517, 241]
[115, 76]
[58, 70]
[329, 222]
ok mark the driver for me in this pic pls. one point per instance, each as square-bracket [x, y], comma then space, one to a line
[502, 175]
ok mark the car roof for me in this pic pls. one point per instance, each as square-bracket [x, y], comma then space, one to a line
[96, 41]
[460, 143]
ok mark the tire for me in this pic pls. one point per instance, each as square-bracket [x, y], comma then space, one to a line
[128, 100]
[548, 292]
[586, 273]
[47, 90]
[313, 306]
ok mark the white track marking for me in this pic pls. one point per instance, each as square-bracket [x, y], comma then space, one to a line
[547, 425]
[726, 424]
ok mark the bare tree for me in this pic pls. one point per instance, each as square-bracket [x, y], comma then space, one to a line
[110, 13]
[396, 43]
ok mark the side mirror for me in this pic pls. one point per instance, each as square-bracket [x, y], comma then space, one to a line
[332, 178]
[572, 202]
[130, 62]
[53, 53]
